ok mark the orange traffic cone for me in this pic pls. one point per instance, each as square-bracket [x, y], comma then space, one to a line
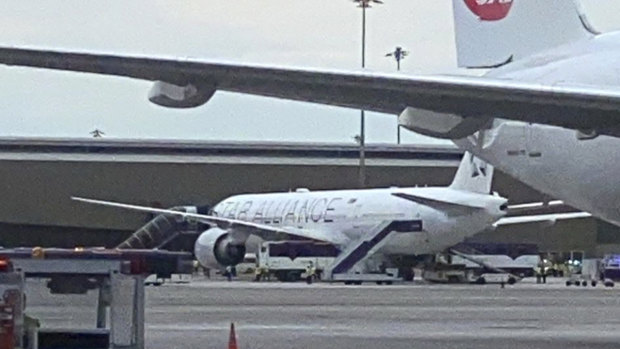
[232, 340]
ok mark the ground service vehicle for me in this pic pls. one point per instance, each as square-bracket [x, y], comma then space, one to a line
[288, 260]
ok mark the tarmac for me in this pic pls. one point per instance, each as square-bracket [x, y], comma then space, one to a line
[415, 315]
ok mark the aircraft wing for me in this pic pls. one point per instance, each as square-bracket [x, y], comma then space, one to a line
[263, 231]
[549, 219]
[576, 107]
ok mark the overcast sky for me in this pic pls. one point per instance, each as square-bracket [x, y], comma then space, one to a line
[319, 33]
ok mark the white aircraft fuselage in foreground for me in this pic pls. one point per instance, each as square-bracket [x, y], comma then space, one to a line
[580, 167]
[558, 161]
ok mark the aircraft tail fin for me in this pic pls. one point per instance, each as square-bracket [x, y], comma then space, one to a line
[490, 33]
[473, 175]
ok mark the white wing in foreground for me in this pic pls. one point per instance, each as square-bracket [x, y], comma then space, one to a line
[184, 83]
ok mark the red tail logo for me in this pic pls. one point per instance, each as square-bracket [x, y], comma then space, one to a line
[489, 10]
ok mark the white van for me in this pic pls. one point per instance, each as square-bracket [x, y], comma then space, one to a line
[288, 260]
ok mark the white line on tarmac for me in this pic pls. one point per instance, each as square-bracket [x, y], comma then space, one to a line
[220, 327]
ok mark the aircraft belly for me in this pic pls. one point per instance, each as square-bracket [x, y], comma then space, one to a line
[425, 242]
[407, 243]
[583, 173]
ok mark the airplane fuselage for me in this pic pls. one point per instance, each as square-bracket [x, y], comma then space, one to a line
[561, 162]
[353, 213]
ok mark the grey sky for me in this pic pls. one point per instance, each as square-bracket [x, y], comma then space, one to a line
[319, 33]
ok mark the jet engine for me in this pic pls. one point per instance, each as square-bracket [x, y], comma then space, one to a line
[440, 125]
[174, 96]
[216, 248]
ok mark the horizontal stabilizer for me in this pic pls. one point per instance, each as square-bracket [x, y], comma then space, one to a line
[532, 206]
[547, 219]
[441, 203]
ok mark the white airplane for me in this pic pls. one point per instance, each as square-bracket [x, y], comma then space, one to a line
[556, 79]
[384, 222]
[425, 220]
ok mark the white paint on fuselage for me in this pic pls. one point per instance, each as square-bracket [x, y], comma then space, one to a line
[591, 62]
[353, 213]
[552, 159]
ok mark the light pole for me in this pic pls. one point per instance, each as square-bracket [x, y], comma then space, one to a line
[363, 4]
[398, 54]
[97, 133]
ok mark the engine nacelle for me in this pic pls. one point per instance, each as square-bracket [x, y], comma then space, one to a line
[173, 96]
[439, 125]
[215, 248]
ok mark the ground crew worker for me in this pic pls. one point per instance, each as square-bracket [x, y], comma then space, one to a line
[229, 273]
[260, 274]
[540, 272]
[310, 271]
[265, 274]
[257, 274]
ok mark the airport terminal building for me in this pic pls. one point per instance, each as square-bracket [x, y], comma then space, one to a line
[39, 177]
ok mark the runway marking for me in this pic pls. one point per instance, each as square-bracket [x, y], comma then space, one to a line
[390, 330]
[244, 284]
[255, 327]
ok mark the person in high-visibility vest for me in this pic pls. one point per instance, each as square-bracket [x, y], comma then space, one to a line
[539, 269]
[258, 273]
[541, 272]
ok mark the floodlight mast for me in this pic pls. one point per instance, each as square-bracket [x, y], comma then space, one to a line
[398, 54]
[363, 4]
